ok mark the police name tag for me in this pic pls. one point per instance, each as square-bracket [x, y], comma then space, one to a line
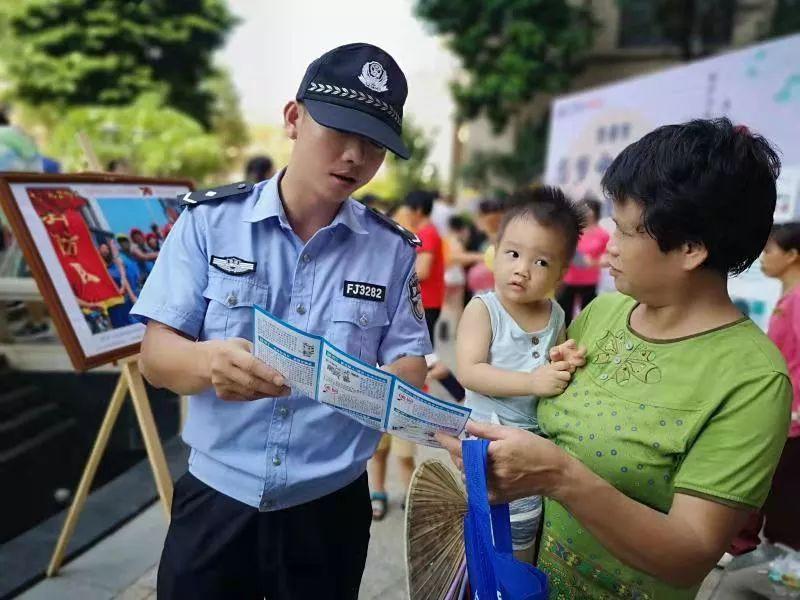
[365, 291]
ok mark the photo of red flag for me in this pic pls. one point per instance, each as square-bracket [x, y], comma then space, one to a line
[59, 210]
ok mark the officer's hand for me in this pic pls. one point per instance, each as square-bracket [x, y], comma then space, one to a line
[238, 375]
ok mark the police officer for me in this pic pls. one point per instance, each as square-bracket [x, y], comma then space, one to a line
[276, 502]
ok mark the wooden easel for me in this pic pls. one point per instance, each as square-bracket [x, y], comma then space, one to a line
[130, 380]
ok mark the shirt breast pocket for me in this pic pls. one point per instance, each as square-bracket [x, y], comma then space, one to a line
[357, 327]
[230, 307]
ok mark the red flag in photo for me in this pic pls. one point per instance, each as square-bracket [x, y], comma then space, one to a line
[59, 209]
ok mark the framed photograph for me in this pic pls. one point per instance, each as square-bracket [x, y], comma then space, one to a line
[90, 241]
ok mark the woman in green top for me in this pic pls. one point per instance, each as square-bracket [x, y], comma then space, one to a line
[669, 435]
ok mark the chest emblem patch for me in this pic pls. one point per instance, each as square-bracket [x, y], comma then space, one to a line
[233, 265]
[626, 359]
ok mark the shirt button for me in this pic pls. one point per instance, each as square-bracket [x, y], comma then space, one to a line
[231, 299]
[604, 376]
[283, 411]
[535, 341]
[276, 461]
[617, 360]
[364, 320]
[536, 354]
[301, 309]
[306, 258]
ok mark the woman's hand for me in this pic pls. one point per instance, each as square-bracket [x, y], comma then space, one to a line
[679, 547]
[519, 463]
[570, 352]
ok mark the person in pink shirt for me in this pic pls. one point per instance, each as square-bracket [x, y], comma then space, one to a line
[580, 283]
[781, 260]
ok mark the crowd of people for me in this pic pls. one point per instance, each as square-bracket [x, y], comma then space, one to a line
[129, 258]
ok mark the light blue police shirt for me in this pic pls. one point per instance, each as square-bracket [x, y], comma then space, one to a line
[277, 453]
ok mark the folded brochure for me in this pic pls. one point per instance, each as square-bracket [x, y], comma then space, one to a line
[316, 368]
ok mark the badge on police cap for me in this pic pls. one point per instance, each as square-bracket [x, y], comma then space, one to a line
[374, 76]
[348, 89]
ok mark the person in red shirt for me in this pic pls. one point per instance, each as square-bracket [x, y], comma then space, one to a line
[414, 214]
[580, 283]
[430, 255]
[430, 271]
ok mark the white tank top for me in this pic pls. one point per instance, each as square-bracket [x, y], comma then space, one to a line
[514, 349]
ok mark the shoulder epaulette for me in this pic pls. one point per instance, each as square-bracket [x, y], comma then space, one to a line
[407, 235]
[218, 193]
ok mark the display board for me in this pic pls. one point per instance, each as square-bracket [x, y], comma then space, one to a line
[758, 87]
[90, 242]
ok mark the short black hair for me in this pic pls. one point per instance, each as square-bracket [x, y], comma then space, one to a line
[457, 223]
[705, 182]
[786, 235]
[595, 206]
[259, 167]
[491, 205]
[420, 200]
[549, 207]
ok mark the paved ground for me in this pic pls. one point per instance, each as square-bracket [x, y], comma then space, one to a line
[123, 566]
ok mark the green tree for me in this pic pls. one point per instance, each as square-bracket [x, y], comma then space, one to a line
[6, 39]
[154, 138]
[401, 176]
[109, 52]
[510, 50]
[227, 121]
[416, 172]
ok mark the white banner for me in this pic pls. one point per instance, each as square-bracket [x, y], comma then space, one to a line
[758, 87]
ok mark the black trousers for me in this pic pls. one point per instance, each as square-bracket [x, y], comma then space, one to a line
[431, 318]
[780, 509]
[219, 548]
[569, 293]
[449, 382]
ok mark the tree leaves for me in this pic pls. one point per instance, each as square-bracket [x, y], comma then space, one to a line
[155, 139]
[77, 52]
[510, 50]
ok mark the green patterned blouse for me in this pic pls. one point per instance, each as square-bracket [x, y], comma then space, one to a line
[705, 415]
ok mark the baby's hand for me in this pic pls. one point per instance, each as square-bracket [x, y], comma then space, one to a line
[551, 379]
[570, 352]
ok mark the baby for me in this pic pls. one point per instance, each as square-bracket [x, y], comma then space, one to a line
[505, 335]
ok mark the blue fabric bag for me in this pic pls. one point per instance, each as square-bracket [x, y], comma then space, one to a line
[494, 573]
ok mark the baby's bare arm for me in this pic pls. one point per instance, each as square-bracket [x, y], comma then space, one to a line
[475, 373]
